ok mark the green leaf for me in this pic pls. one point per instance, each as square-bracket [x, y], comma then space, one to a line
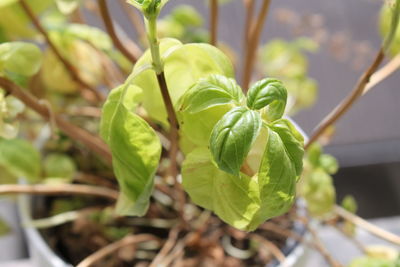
[268, 92]
[350, 204]
[234, 199]
[20, 58]
[329, 163]
[186, 15]
[280, 166]
[57, 165]
[149, 8]
[20, 159]
[212, 91]
[232, 137]
[67, 6]
[319, 192]
[136, 151]
[93, 35]
[196, 128]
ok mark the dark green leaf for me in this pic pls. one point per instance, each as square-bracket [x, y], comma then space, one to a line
[271, 93]
[232, 137]
[280, 166]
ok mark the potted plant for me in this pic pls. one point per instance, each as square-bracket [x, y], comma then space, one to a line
[206, 170]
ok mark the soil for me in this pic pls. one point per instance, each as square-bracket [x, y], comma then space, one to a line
[208, 243]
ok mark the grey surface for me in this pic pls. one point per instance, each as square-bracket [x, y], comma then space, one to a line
[12, 245]
[372, 120]
[344, 250]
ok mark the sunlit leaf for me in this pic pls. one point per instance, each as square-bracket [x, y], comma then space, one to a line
[234, 199]
[136, 151]
[211, 91]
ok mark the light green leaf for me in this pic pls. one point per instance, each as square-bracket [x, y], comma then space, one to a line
[186, 15]
[268, 92]
[329, 163]
[196, 128]
[280, 166]
[184, 65]
[234, 199]
[211, 91]
[350, 204]
[319, 192]
[57, 165]
[20, 159]
[20, 58]
[149, 8]
[67, 6]
[232, 137]
[93, 35]
[136, 151]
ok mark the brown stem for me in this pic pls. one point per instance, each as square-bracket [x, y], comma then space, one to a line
[352, 239]
[74, 132]
[391, 67]
[270, 246]
[134, 18]
[254, 39]
[111, 31]
[68, 66]
[55, 190]
[319, 245]
[348, 102]
[173, 120]
[373, 229]
[249, 5]
[214, 14]
[167, 247]
[113, 247]
[174, 138]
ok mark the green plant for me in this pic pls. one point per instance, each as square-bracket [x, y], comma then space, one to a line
[179, 123]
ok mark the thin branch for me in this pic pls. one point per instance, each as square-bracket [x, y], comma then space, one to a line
[68, 66]
[135, 19]
[167, 247]
[319, 245]
[348, 102]
[113, 247]
[391, 67]
[373, 229]
[56, 190]
[214, 14]
[270, 246]
[254, 40]
[74, 132]
[174, 139]
[249, 5]
[111, 31]
[352, 239]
